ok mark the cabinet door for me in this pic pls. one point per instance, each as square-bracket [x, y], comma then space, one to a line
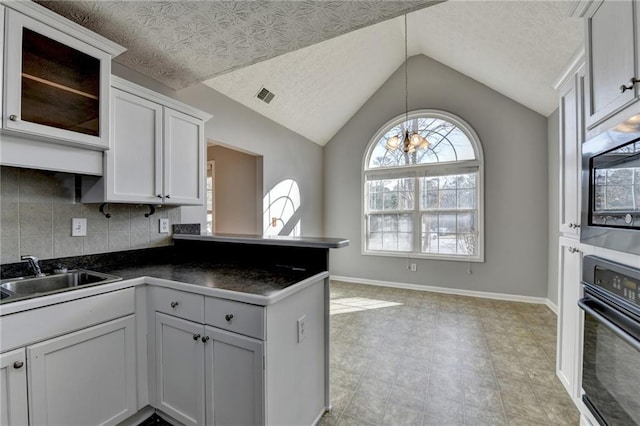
[571, 137]
[13, 388]
[611, 57]
[184, 158]
[569, 318]
[56, 85]
[133, 170]
[2, 12]
[84, 378]
[180, 369]
[234, 366]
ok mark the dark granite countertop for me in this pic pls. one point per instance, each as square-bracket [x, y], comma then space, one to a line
[258, 281]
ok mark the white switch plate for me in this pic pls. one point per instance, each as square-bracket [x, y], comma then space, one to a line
[78, 227]
[164, 226]
[302, 328]
[413, 267]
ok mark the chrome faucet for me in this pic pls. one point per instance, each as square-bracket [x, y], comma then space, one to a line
[33, 262]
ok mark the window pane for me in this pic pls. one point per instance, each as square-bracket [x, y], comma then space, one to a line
[466, 222]
[447, 199]
[449, 233]
[390, 241]
[466, 198]
[405, 241]
[447, 143]
[390, 223]
[448, 192]
[467, 244]
[375, 241]
[375, 223]
[391, 194]
[390, 232]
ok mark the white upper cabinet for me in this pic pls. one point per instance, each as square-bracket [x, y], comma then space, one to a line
[612, 59]
[133, 166]
[56, 79]
[184, 158]
[1, 60]
[571, 138]
[157, 153]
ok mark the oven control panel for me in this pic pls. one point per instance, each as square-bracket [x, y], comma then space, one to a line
[622, 285]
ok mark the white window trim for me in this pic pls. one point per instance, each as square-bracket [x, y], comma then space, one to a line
[434, 169]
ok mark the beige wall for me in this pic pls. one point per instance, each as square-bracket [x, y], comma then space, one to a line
[236, 199]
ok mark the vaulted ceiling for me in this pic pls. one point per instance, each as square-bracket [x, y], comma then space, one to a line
[324, 59]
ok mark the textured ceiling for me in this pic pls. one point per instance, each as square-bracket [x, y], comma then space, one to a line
[321, 70]
[183, 42]
[518, 48]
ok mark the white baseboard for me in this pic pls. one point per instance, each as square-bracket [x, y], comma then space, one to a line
[446, 290]
[552, 306]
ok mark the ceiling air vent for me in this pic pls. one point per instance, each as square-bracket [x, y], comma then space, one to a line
[265, 95]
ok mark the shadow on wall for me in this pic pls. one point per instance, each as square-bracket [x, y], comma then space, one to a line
[281, 215]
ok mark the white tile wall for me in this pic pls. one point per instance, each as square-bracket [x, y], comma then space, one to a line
[36, 208]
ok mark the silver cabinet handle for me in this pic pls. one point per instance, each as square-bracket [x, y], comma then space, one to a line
[196, 337]
[18, 364]
[632, 82]
[205, 339]
[574, 226]
[13, 117]
[174, 304]
[573, 250]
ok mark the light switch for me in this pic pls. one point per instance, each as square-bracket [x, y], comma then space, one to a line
[78, 227]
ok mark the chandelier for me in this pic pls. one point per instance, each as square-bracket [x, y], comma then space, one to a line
[409, 140]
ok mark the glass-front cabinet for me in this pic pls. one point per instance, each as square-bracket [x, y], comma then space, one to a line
[56, 84]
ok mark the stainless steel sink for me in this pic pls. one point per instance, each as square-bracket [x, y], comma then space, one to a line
[14, 288]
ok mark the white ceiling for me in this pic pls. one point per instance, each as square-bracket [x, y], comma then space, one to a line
[518, 48]
[339, 52]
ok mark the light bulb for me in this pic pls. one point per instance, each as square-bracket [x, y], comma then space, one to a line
[416, 139]
[393, 142]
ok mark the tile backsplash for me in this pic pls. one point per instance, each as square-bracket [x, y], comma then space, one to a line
[36, 208]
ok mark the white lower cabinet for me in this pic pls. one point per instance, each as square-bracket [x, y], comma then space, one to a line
[180, 369]
[84, 378]
[13, 388]
[570, 317]
[207, 376]
[234, 370]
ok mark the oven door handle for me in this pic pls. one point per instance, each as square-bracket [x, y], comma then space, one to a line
[604, 315]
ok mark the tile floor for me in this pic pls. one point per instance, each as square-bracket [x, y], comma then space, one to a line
[403, 357]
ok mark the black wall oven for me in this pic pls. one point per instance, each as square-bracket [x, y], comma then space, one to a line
[611, 349]
[611, 190]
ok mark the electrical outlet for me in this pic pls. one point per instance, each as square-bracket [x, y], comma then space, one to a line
[302, 328]
[78, 227]
[413, 267]
[164, 226]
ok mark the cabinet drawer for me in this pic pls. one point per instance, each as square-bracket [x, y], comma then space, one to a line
[237, 317]
[178, 303]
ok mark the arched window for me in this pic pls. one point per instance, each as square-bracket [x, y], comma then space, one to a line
[424, 200]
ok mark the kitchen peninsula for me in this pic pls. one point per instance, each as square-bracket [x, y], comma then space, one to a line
[216, 329]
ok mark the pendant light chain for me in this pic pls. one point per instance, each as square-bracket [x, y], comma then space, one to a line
[406, 74]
